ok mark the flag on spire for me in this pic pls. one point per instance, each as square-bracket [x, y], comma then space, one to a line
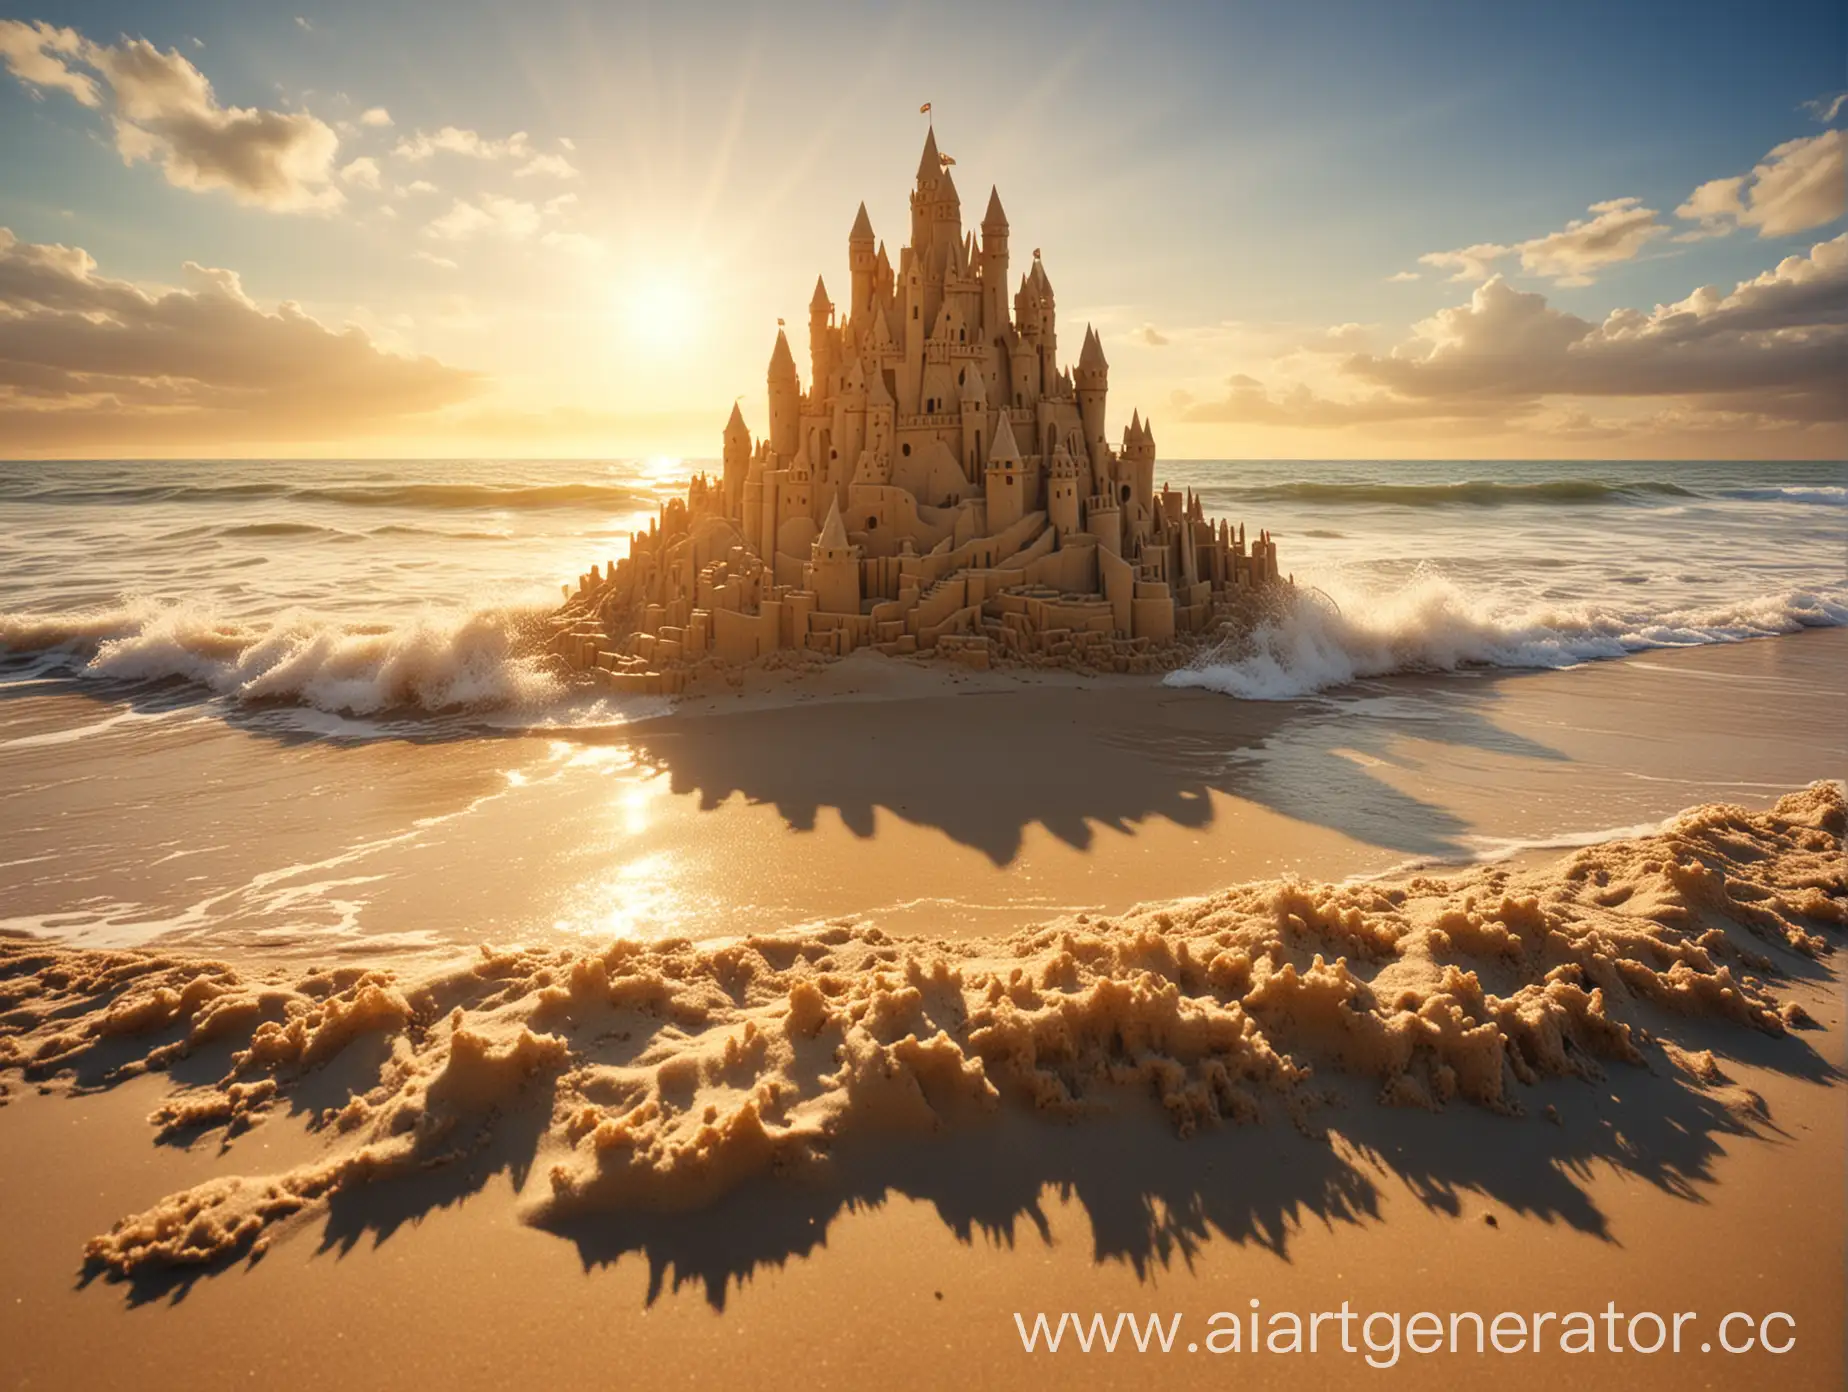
[924, 108]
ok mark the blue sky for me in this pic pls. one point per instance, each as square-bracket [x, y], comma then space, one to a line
[1219, 187]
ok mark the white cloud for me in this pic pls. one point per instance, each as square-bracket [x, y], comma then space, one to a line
[1826, 109]
[1150, 336]
[363, 172]
[303, 25]
[90, 361]
[35, 54]
[491, 216]
[455, 140]
[1798, 186]
[165, 112]
[1769, 351]
[567, 142]
[1617, 230]
[1400, 277]
[375, 116]
[440, 262]
[418, 186]
[555, 165]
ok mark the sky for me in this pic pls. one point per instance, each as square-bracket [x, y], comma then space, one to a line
[1321, 231]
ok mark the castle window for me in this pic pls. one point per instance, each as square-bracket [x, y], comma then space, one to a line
[1126, 492]
[872, 524]
[914, 311]
[905, 449]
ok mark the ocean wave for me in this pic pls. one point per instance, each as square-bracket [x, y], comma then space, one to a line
[1817, 496]
[1470, 493]
[412, 496]
[480, 661]
[1431, 624]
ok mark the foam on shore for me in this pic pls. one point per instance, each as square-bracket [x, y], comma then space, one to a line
[663, 1075]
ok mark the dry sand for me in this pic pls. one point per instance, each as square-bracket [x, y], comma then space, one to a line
[840, 1157]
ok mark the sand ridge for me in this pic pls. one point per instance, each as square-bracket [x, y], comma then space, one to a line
[664, 1075]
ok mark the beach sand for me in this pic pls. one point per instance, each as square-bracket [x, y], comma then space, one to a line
[1703, 1174]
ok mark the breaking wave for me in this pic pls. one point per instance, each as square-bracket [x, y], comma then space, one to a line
[481, 661]
[1819, 497]
[1431, 624]
[434, 496]
[1472, 492]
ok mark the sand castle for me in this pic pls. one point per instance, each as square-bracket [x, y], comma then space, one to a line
[944, 486]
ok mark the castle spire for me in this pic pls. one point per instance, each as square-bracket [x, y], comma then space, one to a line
[994, 220]
[862, 227]
[1004, 450]
[819, 301]
[833, 534]
[1091, 356]
[781, 359]
[930, 163]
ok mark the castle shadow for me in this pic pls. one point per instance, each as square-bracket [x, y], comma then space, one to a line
[985, 766]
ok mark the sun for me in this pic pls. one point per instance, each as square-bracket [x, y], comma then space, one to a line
[660, 310]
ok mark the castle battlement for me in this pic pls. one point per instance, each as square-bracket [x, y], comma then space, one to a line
[942, 482]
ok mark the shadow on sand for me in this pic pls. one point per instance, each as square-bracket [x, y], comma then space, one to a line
[1152, 1200]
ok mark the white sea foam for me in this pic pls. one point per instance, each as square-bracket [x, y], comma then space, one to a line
[1432, 624]
[466, 661]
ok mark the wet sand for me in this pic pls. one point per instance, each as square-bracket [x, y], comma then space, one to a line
[904, 1265]
[987, 805]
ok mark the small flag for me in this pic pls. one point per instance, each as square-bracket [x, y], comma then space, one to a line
[1036, 256]
[922, 109]
[779, 323]
[945, 161]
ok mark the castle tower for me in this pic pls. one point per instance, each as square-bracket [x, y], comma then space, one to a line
[1093, 383]
[833, 571]
[1139, 460]
[1062, 492]
[994, 267]
[924, 194]
[862, 263]
[1005, 479]
[785, 400]
[737, 458]
[974, 420]
[821, 341]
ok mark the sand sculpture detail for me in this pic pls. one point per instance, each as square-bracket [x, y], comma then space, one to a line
[943, 486]
[660, 1076]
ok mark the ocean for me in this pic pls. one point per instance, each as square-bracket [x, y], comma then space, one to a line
[376, 591]
[285, 707]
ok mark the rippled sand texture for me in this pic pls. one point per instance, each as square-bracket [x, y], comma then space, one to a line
[661, 1077]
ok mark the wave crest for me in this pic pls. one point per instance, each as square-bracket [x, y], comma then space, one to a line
[1472, 492]
[484, 660]
[1432, 624]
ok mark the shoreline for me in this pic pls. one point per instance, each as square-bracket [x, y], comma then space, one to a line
[1721, 1114]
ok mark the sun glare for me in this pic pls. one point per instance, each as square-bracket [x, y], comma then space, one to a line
[660, 311]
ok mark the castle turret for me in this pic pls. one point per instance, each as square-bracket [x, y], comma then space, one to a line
[1062, 492]
[1005, 479]
[994, 267]
[974, 420]
[834, 568]
[821, 340]
[1139, 461]
[861, 263]
[737, 458]
[785, 400]
[1093, 384]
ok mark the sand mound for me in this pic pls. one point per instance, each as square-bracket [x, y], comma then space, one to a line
[664, 1074]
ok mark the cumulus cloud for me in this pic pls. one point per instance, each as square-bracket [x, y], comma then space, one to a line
[1798, 186]
[1616, 230]
[557, 166]
[375, 116]
[363, 172]
[456, 141]
[1150, 336]
[442, 263]
[1771, 350]
[1826, 109]
[88, 361]
[1401, 277]
[492, 215]
[165, 112]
